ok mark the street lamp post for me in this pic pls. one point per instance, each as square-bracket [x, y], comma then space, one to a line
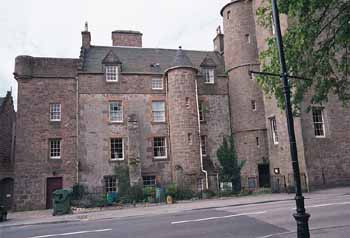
[300, 216]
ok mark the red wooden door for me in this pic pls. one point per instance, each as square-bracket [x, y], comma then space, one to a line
[52, 185]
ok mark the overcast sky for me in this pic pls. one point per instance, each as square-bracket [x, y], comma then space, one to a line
[53, 28]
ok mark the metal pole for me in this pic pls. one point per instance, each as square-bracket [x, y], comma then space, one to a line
[300, 216]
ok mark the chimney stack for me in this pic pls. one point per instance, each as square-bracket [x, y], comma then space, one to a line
[127, 38]
[219, 41]
[86, 37]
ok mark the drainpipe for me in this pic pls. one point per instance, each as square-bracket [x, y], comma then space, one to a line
[77, 127]
[199, 133]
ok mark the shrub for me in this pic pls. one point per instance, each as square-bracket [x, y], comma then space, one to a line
[77, 191]
[136, 193]
[171, 190]
[184, 194]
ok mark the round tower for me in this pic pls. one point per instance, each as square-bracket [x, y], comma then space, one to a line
[246, 98]
[183, 122]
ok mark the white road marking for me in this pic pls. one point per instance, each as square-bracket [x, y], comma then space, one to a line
[71, 233]
[325, 205]
[277, 234]
[213, 218]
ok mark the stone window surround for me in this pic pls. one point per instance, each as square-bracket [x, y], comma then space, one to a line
[162, 148]
[114, 150]
[55, 148]
[201, 109]
[111, 73]
[55, 112]
[274, 130]
[119, 118]
[318, 121]
[157, 83]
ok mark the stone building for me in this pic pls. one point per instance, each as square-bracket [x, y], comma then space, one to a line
[162, 114]
[7, 142]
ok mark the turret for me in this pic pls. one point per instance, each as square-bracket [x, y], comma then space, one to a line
[183, 122]
[246, 98]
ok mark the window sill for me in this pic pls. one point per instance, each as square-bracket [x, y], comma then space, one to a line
[116, 122]
[116, 160]
[55, 158]
[320, 137]
[203, 121]
[157, 89]
[158, 122]
[55, 121]
[112, 81]
[209, 83]
[160, 158]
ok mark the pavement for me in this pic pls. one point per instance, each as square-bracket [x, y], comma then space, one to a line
[259, 216]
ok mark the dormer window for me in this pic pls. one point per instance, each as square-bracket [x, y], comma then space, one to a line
[111, 73]
[209, 75]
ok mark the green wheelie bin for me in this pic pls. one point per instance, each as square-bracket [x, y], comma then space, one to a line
[61, 201]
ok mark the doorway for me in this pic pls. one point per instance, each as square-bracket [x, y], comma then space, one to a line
[6, 192]
[52, 185]
[264, 175]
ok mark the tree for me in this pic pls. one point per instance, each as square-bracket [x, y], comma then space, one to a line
[317, 46]
[230, 170]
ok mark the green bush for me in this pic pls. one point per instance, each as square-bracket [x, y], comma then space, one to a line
[77, 191]
[136, 193]
[184, 194]
[171, 190]
[149, 192]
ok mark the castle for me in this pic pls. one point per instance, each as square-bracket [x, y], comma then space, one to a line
[163, 114]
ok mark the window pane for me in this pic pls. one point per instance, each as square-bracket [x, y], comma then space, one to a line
[201, 111]
[111, 73]
[116, 112]
[55, 148]
[117, 149]
[55, 112]
[159, 147]
[274, 130]
[158, 111]
[157, 83]
[111, 184]
[204, 145]
[317, 116]
[149, 181]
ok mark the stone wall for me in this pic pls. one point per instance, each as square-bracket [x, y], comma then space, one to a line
[34, 129]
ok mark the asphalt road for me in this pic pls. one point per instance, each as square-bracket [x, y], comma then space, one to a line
[329, 218]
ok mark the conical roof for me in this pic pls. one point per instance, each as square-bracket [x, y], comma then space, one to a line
[181, 60]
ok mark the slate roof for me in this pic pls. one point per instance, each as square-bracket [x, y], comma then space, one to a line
[145, 60]
[1, 101]
[181, 59]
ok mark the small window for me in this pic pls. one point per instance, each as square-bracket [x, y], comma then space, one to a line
[111, 184]
[257, 141]
[117, 149]
[111, 73]
[201, 111]
[274, 130]
[187, 102]
[55, 148]
[247, 38]
[189, 138]
[149, 181]
[228, 14]
[159, 148]
[158, 111]
[253, 103]
[157, 83]
[115, 112]
[55, 112]
[204, 145]
[318, 121]
[209, 76]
